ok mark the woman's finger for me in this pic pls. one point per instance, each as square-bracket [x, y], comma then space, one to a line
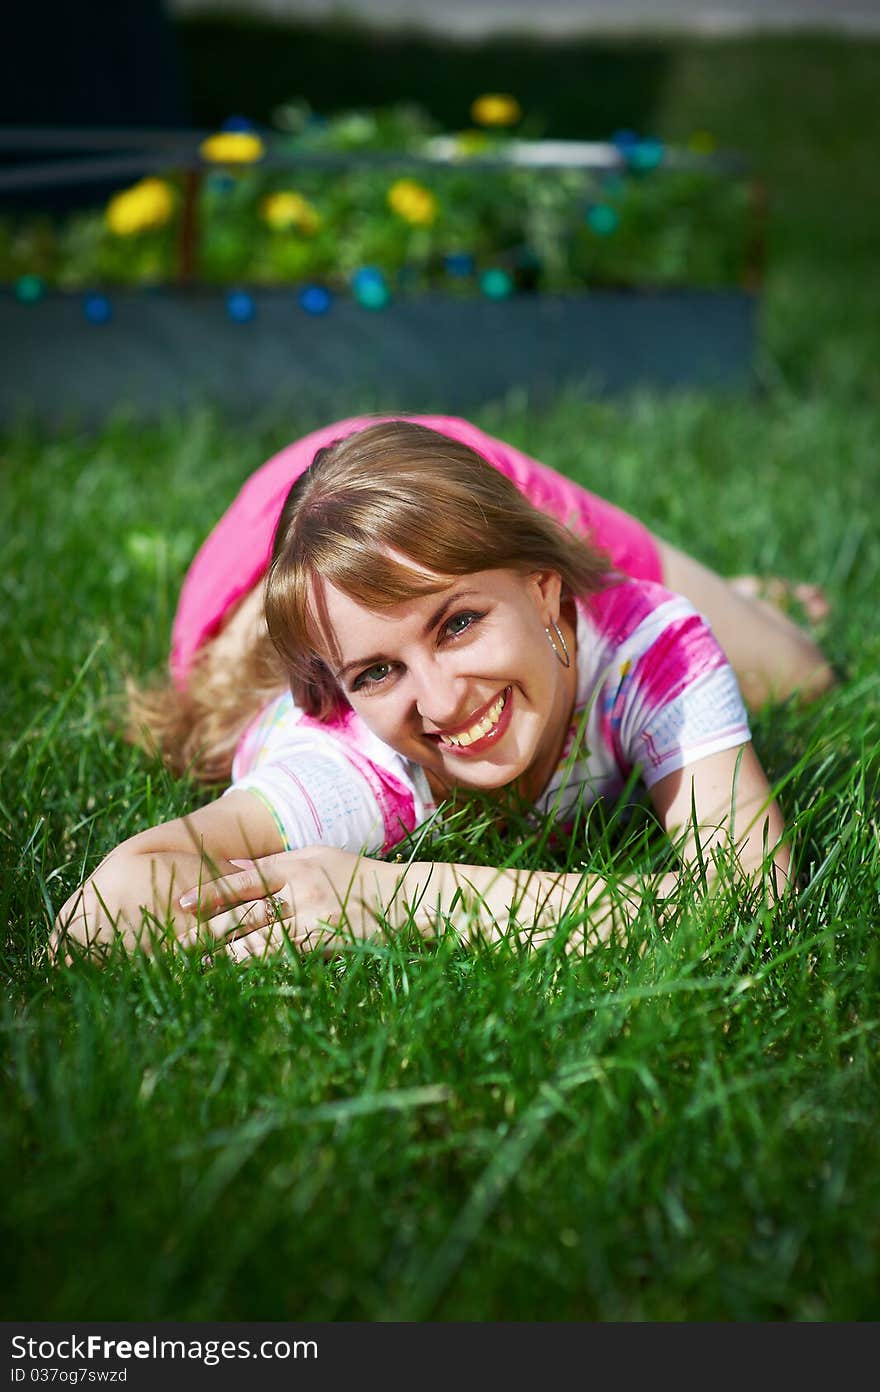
[245, 887]
[262, 942]
[257, 944]
[238, 922]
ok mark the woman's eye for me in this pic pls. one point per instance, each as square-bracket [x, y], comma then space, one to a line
[459, 623]
[372, 676]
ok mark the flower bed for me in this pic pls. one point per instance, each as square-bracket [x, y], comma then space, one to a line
[276, 233]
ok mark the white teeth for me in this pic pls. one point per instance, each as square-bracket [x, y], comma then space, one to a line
[488, 722]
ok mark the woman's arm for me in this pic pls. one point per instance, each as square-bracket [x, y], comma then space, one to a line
[134, 892]
[318, 897]
[735, 812]
[772, 656]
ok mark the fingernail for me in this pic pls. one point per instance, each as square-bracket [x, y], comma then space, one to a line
[186, 901]
[245, 864]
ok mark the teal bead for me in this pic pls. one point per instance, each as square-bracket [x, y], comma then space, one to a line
[602, 220]
[647, 154]
[30, 288]
[496, 284]
[372, 294]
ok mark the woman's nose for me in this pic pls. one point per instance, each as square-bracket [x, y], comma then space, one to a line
[438, 694]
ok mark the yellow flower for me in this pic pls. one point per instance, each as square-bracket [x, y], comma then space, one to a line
[496, 109]
[146, 205]
[232, 147]
[286, 210]
[413, 202]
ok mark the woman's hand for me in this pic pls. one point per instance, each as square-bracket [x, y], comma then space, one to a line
[318, 898]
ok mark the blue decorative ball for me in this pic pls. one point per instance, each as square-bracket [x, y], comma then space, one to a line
[459, 263]
[496, 284]
[97, 309]
[315, 299]
[602, 219]
[367, 275]
[240, 306]
[624, 139]
[237, 123]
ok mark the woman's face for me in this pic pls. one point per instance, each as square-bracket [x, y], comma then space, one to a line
[462, 681]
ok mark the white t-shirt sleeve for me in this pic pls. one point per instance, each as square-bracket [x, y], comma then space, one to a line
[318, 790]
[317, 799]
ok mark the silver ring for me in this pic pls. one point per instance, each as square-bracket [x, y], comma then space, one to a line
[275, 908]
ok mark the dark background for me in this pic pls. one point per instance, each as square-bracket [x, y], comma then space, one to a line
[126, 63]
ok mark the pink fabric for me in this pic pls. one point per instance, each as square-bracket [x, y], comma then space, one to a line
[686, 647]
[236, 553]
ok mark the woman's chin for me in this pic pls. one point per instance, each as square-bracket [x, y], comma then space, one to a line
[481, 774]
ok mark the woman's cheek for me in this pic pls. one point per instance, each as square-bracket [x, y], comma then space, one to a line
[378, 714]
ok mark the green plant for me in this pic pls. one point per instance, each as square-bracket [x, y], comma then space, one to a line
[278, 218]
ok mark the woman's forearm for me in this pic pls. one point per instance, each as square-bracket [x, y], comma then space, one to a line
[483, 901]
[479, 901]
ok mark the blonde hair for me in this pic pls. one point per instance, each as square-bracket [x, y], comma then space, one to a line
[393, 493]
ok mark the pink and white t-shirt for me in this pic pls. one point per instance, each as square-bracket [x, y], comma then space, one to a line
[654, 693]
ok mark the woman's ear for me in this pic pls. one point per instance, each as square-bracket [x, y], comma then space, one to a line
[547, 592]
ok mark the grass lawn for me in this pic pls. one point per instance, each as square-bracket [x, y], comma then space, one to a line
[683, 1126]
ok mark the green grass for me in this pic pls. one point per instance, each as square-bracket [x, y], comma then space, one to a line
[684, 1126]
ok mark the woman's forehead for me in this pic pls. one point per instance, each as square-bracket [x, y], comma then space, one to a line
[336, 607]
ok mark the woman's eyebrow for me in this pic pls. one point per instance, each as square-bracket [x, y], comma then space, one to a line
[436, 618]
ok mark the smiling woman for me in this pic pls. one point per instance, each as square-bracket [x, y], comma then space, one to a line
[440, 613]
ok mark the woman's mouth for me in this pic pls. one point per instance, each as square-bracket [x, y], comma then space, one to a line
[484, 732]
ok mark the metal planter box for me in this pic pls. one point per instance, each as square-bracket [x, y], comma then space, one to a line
[165, 350]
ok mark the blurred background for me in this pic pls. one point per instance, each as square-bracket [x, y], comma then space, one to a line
[166, 62]
[791, 84]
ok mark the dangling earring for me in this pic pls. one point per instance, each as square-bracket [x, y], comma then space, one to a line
[556, 638]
